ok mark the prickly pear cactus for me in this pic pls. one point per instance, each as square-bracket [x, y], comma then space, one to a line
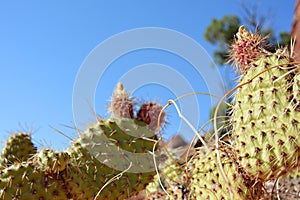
[24, 181]
[207, 182]
[113, 159]
[102, 156]
[85, 175]
[18, 148]
[265, 122]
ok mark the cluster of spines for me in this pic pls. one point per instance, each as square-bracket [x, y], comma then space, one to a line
[286, 187]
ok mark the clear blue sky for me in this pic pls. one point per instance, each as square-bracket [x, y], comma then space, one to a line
[44, 43]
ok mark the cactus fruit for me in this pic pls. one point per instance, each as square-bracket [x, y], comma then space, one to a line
[18, 148]
[265, 122]
[207, 182]
[246, 49]
[23, 181]
[149, 113]
[121, 104]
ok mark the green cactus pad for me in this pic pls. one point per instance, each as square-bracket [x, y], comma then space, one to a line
[207, 182]
[265, 122]
[86, 176]
[18, 148]
[121, 142]
[24, 181]
[109, 154]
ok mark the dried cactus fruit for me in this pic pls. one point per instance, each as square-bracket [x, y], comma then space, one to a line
[121, 104]
[246, 49]
[150, 114]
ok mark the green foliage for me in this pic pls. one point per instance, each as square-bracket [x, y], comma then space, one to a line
[220, 33]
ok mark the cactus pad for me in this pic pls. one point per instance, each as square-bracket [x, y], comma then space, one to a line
[265, 122]
[207, 181]
[18, 148]
[24, 181]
